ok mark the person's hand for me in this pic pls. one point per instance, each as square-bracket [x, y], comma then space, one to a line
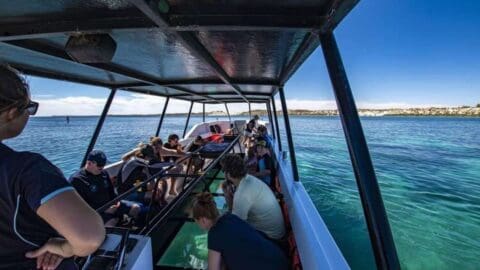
[54, 246]
[113, 208]
[113, 180]
[48, 261]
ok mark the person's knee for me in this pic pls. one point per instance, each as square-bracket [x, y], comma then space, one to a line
[135, 210]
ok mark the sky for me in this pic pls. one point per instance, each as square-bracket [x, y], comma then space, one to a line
[397, 53]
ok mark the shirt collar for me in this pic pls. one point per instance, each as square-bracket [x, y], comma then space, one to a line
[4, 147]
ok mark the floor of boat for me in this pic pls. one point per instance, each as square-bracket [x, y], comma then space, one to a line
[184, 243]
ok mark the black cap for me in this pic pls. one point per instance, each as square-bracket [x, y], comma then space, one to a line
[98, 157]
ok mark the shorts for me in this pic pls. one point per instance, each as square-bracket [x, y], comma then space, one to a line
[136, 197]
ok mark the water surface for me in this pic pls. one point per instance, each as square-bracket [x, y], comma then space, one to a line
[428, 169]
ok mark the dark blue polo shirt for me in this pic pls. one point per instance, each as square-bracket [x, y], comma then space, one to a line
[96, 190]
[242, 247]
[27, 180]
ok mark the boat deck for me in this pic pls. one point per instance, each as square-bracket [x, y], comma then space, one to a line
[187, 248]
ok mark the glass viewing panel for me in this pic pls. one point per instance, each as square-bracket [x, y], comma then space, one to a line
[189, 249]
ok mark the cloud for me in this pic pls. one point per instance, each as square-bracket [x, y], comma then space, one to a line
[142, 104]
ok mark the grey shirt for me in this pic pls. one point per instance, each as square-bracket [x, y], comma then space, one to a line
[255, 203]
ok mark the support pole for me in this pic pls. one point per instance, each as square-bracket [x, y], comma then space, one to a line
[249, 110]
[228, 113]
[270, 118]
[276, 124]
[291, 147]
[371, 198]
[99, 125]
[188, 119]
[162, 116]
[203, 112]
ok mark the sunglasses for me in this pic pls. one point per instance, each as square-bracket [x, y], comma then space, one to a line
[31, 108]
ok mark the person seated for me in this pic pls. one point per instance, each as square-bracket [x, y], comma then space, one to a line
[197, 162]
[252, 161]
[229, 132]
[233, 243]
[251, 199]
[134, 172]
[43, 221]
[94, 186]
[176, 185]
[254, 120]
[197, 144]
[175, 145]
[248, 134]
[264, 169]
[262, 134]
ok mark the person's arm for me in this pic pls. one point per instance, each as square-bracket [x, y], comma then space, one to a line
[79, 224]
[214, 260]
[127, 156]
[228, 194]
[170, 152]
[266, 168]
[47, 192]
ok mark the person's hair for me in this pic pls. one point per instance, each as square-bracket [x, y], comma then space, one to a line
[204, 206]
[145, 151]
[173, 137]
[14, 89]
[251, 152]
[234, 165]
[262, 128]
[155, 141]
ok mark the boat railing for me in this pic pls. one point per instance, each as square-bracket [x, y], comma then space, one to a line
[164, 213]
[161, 176]
[162, 173]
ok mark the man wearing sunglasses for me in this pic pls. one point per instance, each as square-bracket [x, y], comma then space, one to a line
[93, 183]
[43, 220]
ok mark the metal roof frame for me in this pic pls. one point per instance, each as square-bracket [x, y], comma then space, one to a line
[142, 15]
[26, 31]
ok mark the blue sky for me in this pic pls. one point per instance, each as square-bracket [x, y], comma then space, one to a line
[404, 51]
[397, 53]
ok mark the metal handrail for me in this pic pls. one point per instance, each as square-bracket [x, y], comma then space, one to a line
[163, 214]
[144, 183]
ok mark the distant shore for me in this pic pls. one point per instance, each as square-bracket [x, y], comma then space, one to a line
[463, 111]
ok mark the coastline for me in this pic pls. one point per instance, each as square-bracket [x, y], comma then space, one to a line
[463, 111]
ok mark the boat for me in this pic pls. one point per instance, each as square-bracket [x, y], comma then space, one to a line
[207, 52]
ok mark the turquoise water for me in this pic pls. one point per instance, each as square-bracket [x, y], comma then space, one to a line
[428, 169]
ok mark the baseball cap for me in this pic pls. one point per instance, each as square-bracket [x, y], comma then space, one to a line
[262, 143]
[98, 157]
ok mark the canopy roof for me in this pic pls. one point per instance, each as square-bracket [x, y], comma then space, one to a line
[201, 50]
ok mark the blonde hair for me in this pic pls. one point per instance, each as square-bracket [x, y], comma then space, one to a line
[155, 141]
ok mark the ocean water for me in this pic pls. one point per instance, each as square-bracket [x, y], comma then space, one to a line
[428, 169]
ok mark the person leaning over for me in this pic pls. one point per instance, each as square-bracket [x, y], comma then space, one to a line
[95, 187]
[43, 220]
[251, 199]
[232, 242]
[173, 143]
